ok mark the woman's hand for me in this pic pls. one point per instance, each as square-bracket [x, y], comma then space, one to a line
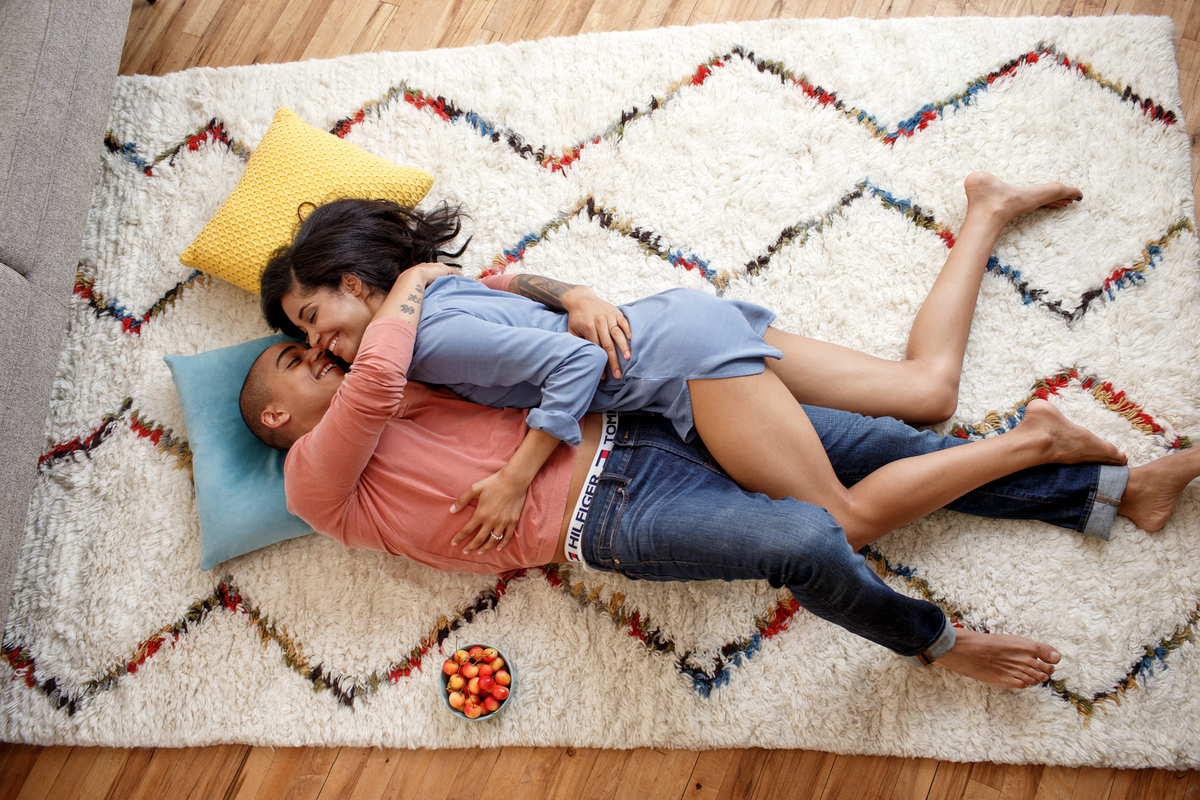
[430, 272]
[498, 500]
[600, 322]
[404, 299]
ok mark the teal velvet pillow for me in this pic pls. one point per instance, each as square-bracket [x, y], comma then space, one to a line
[239, 480]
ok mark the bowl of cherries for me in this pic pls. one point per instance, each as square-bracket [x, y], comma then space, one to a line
[477, 681]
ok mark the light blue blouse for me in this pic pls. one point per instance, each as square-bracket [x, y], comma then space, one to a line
[503, 350]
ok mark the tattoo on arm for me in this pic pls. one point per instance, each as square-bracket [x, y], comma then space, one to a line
[407, 309]
[546, 291]
[416, 298]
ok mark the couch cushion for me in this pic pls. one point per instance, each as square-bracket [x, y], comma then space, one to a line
[31, 328]
[58, 65]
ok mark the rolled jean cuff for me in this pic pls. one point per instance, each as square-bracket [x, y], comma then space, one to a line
[1110, 485]
[941, 645]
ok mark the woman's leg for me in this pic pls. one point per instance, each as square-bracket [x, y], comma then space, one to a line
[923, 388]
[759, 434]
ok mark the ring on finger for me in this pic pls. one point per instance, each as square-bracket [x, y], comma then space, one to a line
[494, 536]
[610, 327]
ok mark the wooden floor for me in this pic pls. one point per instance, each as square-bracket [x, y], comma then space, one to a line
[176, 34]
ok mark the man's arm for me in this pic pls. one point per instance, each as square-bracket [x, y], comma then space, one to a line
[588, 316]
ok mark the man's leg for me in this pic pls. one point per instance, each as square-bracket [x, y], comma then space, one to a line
[664, 511]
[1080, 497]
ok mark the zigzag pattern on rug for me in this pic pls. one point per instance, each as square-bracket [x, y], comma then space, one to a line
[683, 257]
[704, 678]
[448, 111]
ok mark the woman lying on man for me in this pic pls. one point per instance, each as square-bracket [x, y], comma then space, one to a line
[376, 461]
[694, 357]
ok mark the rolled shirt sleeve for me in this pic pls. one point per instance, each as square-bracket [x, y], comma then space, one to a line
[554, 374]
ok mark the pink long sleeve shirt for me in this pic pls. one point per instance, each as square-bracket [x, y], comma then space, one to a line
[383, 467]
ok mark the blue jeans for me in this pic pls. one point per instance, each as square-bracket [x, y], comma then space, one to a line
[665, 511]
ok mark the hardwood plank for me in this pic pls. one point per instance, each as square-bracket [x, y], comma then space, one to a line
[499, 15]
[176, 772]
[673, 775]
[1021, 783]
[74, 772]
[297, 772]
[474, 764]
[916, 779]
[377, 773]
[1057, 783]
[574, 768]
[408, 773]
[129, 777]
[180, 55]
[214, 34]
[371, 38]
[102, 774]
[506, 772]
[705, 780]
[292, 32]
[464, 22]
[343, 775]
[1093, 784]
[605, 776]
[47, 764]
[950, 783]
[743, 775]
[339, 29]
[148, 30]
[778, 774]
[980, 791]
[1191, 25]
[641, 772]
[251, 774]
[863, 778]
[539, 772]
[988, 774]
[678, 12]
[247, 33]
[443, 767]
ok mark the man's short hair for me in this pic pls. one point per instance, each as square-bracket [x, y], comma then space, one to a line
[254, 399]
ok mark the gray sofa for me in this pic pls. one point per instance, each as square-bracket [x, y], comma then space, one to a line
[58, 65]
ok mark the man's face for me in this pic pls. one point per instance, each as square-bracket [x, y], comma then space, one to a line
[302, 381]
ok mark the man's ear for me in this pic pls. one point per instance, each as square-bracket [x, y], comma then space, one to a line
[353, 285]
[274, 417]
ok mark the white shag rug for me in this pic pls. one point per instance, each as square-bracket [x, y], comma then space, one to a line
[814, 167]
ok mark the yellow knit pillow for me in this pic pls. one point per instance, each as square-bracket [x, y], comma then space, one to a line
[294, 164]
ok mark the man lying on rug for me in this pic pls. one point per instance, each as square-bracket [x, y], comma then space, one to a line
[697, 356]
[376, 461]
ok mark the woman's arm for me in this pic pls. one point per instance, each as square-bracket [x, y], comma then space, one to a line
[500, 497]
[407, 293]
[588, 316]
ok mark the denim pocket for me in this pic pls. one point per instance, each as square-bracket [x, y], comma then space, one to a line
[613, 510]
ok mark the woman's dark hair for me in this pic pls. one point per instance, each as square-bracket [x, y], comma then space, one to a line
[375, 240]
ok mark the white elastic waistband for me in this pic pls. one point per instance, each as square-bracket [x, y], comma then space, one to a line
[608, 436]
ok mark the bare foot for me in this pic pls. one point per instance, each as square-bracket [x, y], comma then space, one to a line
[1006, 662]
[1063, 440]
[1154, 488]
[988, 194]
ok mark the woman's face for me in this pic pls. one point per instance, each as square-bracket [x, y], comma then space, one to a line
[331, 320]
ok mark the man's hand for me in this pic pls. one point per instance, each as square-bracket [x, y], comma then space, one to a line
[498, 500]
[600, 322]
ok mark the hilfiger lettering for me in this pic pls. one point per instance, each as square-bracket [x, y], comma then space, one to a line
[579, 515]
